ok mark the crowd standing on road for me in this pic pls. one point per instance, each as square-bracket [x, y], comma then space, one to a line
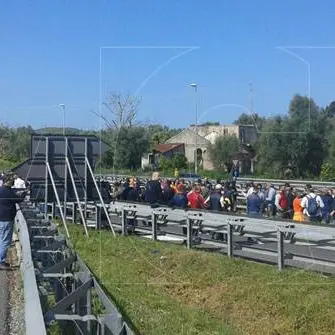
[261, 200]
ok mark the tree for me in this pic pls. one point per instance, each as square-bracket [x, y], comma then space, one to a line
[179, 161]
[295, 140]
[330, 110]
[129, 148]
[269, 147]
[123, 109]
[250, 119]
[223, 150]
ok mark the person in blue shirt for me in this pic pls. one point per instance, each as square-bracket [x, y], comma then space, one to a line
[254, 204]
[179, 200]
[215, 199]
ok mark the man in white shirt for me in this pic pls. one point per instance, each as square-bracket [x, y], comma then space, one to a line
[250, 190]
[19, 183]
[312, 204]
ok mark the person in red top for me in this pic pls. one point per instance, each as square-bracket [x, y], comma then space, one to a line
[195, 199]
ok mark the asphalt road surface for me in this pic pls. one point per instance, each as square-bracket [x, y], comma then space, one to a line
[4, 298]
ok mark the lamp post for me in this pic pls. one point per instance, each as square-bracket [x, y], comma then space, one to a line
[195, 86]
[62, 106]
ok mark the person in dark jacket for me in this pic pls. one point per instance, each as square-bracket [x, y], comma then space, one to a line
[153, 191]
[125, 190]
[132, 194]
[168, 192]
[328, 202]
[253, 204]
[215, 199]
[179, 199]
[8, 200]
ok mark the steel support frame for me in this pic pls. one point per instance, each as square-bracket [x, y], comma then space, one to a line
[57, 199]
[65, 176]
[100, 197]
[76, 194]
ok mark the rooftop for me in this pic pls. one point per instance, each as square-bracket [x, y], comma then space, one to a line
[165, 147]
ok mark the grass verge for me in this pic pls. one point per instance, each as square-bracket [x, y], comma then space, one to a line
[166, 289]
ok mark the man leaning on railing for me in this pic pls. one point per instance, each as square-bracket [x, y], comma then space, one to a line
[8, 199]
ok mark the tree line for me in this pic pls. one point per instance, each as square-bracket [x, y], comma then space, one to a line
[300, 143]
[297, 144]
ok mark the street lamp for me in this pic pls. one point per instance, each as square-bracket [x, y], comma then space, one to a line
[62, 106]
[195, 86]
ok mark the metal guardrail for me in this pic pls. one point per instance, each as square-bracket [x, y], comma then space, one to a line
[280, 242]
[291, 182]
[32, 307]
[58, 286]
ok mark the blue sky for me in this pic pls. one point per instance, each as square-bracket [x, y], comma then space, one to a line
[50, 54]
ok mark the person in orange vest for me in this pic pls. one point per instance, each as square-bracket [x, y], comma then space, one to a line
[298, 211]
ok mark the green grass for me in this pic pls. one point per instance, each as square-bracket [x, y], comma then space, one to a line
[166, 289]
[7, 164]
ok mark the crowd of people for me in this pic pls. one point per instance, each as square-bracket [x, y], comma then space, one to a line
[288, 203]
[261, 200]
[178, 193]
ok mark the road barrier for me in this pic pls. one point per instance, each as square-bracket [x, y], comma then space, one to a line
[58, 286]
[285, 243]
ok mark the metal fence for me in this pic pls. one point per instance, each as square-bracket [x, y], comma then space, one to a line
[59, 289]
[273, 241]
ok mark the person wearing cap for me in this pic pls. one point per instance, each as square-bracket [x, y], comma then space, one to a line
[179, 199]
[8, 200]
[253, 204]
[215, 200]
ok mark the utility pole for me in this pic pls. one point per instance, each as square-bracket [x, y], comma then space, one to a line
[195, 86]
[62, 106]
[251, 99]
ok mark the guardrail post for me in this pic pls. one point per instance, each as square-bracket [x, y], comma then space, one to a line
[89, 310]
[230, 239]
[280, 249]
[74, 212]
[98, 215]
[154, 226]
[189, 233]
[123, 222]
